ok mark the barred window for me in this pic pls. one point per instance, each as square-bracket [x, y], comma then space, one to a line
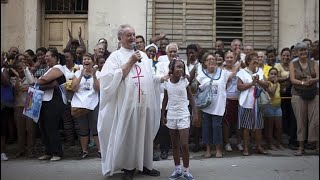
[255, 22]
[66, 6]
[228, 20]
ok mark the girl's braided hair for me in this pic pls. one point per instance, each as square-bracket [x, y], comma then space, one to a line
[173, 62]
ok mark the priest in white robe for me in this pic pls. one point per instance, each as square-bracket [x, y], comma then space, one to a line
[129, 110]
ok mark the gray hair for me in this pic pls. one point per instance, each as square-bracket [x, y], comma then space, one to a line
[233, 41]
[300, 45]
[99, 44]
[121, 28]
[172, 44]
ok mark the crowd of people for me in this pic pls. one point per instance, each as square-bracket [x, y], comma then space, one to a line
[132, 102]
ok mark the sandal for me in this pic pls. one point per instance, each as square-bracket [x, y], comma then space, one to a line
[149, 172]
[207, 155]
[299, 152]
[245, 153]
[218, 155]
[260, 150]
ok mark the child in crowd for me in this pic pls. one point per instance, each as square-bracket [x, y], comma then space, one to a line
[273, 112]
[177, 96]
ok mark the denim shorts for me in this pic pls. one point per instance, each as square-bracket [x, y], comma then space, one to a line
[272, 111]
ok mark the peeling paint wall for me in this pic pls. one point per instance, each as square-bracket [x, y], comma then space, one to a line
[104, 18]
[12, 25]
[21, 22]
[298, 19]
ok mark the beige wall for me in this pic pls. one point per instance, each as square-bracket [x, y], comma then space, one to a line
[12, 25]
[21, 21]
[32, 24]
[105, 17]
[298, 19]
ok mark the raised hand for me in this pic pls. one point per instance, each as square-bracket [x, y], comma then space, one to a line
[80, 30]
[162, 35]
[70, 34]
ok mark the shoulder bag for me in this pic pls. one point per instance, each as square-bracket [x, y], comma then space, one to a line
[205, 97]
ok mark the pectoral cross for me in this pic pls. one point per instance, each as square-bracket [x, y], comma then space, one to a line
[138, 70]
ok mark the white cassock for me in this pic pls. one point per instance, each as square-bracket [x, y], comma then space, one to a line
[129, 113]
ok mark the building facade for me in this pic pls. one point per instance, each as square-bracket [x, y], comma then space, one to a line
[30, 24]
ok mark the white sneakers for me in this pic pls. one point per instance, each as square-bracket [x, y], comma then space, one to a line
[228, 148]
[4, 157]
[55, 158]
[240, 148]
[52, 158]
[45, 157]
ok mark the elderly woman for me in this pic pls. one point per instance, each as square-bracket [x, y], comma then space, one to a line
[250, 115]
[304, 76]
[212, 116]
[53, 104]
[231, 114]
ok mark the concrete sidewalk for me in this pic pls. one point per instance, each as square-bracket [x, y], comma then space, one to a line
[277, 165]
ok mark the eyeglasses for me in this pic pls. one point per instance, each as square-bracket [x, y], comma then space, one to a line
[210, 59]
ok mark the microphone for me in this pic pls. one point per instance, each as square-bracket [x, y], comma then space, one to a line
[134, 47]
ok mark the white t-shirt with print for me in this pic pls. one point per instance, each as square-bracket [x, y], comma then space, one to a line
[232, 89]
[218, 106]
[85, 96]
[246, 97]
[177, 99]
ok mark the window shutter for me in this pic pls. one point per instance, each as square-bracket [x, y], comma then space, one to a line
[184, 21]
[260, 23]
[255, 22]
[229, 19]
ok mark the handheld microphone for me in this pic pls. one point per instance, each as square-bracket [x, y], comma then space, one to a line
[134, 47]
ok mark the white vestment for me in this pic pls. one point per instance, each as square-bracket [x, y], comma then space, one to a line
[129, 113]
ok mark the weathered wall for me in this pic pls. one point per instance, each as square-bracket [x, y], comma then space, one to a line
[21, 21]
[104, 18]
[298, 19]
[32, 24]
[12, 25]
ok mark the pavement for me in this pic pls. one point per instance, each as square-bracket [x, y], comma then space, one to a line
[277, 165]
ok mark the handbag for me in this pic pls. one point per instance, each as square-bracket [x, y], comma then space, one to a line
[262, 96]
[77, 112]
[205, 97]
[33, 103]
[309, 94]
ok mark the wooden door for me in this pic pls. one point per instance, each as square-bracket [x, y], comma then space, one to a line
[56, 31]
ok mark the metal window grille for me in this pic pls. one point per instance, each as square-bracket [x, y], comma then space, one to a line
[255, 22]
[229, 20]
[66, 6]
